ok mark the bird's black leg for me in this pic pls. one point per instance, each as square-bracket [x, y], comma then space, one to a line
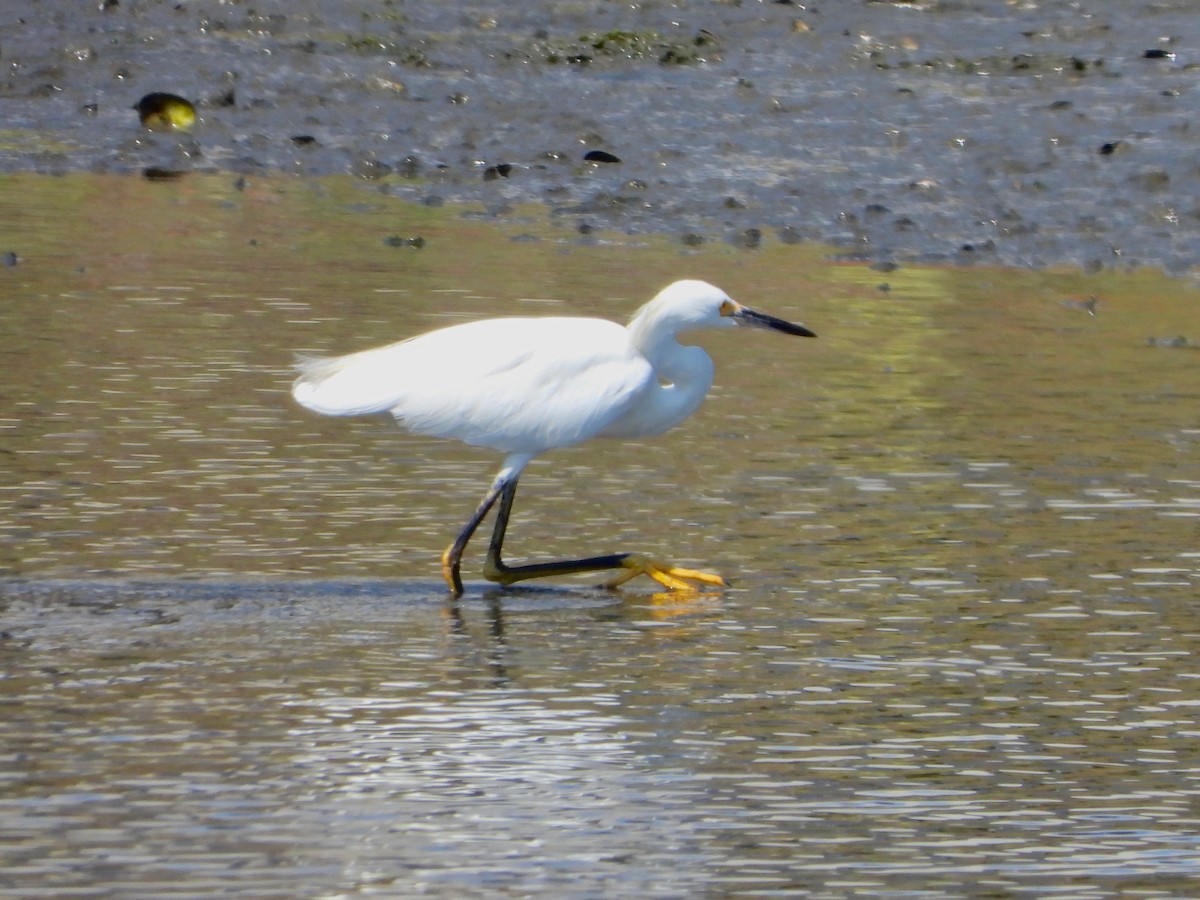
[495, 569]
[452, 557]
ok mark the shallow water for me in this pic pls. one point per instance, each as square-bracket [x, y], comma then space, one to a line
[962, 528]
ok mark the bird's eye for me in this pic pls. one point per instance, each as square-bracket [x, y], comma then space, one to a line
[728, 307]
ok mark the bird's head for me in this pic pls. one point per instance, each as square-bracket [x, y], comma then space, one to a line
[697, 304]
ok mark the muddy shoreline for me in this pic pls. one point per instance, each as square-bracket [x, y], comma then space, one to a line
[995, 132]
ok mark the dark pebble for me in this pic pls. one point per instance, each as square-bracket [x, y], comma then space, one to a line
[409, 167]
[158, 173]
[371, 169]
[396, 241]
[750, 239]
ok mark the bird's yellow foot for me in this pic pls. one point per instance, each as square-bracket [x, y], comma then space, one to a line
[673, 578]
[450, 572]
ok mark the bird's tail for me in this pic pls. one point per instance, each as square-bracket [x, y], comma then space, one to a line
[341, 385]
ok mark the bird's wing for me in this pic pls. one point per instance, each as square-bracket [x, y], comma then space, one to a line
[376, 380]
[517, 385]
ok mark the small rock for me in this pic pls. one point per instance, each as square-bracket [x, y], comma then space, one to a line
[1150, 180]
[409, 167]
[750, 239]
[161, 173]
[163, 112]
[1176, 342]
[370, 169]
[396, 241]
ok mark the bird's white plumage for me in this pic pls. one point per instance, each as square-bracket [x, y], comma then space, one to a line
[525, 385]
[515, 385]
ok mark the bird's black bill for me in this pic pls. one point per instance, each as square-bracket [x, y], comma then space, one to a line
[762, 320]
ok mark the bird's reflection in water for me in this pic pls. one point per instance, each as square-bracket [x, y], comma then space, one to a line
[492, 656]
[493, 653]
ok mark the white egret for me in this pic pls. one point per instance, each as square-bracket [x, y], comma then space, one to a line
[526, 385]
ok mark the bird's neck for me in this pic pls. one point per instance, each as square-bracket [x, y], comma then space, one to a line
[655, 340]
[685, 374]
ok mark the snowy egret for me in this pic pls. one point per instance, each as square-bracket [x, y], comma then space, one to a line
[526, 385]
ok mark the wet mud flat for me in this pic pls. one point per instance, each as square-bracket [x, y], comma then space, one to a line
[1002, 132]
